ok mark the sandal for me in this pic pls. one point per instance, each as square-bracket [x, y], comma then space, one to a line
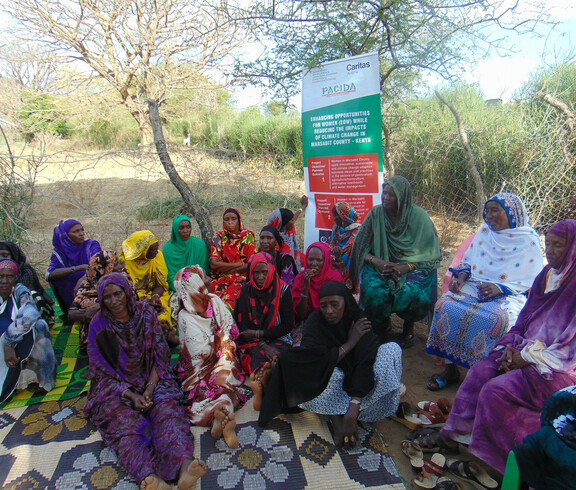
[438, 381]
[443, 404]
[432, 469]
[435, 443]
[445, 483]
[414, 453]
[402, 416]
[432, 418]
[416, 433]
[471, 471]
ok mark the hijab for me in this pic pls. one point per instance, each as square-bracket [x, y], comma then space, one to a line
[349, 217]
[278, 219]
[69, 252]
[143, 271]
[257, 307]
[100, 264]
[512, 257]
[328, 273]
[180, 253]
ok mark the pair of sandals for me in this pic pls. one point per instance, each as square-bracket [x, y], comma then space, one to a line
[429, 414]
[430, 470]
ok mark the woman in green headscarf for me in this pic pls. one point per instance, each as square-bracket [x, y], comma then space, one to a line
[394, 256]
[183, 249]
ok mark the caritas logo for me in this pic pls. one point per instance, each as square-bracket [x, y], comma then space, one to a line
[341, 88]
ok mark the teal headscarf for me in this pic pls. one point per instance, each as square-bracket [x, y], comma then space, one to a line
[412, 239]
[180, 253]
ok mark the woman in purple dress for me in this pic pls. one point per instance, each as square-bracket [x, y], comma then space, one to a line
[134, 400]
[501, 399]
[69, 260]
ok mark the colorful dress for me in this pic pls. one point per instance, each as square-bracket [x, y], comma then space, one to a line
[310, 376]
[28, 276]
[279, 218]
[343, 237]
[180, 253]
[208, 369]
[464, 327]
[228, 247]
[412, 239]
[122, 356]
[22, 327]
[269, 309]
[147, 274]
[68, 254]
[100, 264]
[328, 273]
[496, 410]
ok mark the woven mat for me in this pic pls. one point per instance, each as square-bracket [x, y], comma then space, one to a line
[52, 445]
[71, 370]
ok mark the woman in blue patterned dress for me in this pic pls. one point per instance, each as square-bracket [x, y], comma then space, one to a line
[488, 289]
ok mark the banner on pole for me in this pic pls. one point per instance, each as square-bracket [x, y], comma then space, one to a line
[342, 140]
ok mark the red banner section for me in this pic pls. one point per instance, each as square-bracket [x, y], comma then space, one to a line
[325, 202]
[353, 174]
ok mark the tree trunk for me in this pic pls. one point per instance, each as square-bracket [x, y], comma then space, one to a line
[470, 163]
[198, 212]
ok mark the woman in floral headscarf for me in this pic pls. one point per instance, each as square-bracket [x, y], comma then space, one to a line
[231, 251]
[488, 289]
[69, 260]
[145, 264]
[208, 370]
[344, 232]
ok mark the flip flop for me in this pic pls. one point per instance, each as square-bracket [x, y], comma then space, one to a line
[445, 483]
[433, 417]
[414, 453]
[471, 471]
[443, 404]
[440, 382]
[431, 471]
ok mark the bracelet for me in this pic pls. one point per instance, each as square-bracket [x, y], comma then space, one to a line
[355, 402]
[123, 395]
[151, 384]
[73, 269]
[261, 343]
[343, 350]
[370, 259]
[303, 295]
[411, 266]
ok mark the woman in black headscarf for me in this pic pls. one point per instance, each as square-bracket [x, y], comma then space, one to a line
[339, 369]
[28, 276]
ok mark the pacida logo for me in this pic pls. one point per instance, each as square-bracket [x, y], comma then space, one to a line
[358, 66]
[341, 88]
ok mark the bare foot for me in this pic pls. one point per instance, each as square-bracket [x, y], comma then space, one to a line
[190, 473]
[350, 431]
[265, 373]
[153, 482]
[229, 430]
[256, 387]
[216, 431]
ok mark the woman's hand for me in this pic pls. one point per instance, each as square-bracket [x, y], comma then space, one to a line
[248, 335]
[336, 251]
[359, 328]
[149, 393]
[384, 268]
[488, 290]
[457, 282]
[10, 357]
[91, 311]
[155, 301]
[141, 404]
[270, 351]
[400, 270]
[350, 437]
[310, 273]
[511, 359]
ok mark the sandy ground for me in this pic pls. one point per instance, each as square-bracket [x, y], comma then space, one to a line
[105, 191]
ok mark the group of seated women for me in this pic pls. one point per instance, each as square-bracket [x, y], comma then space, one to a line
[237, 312]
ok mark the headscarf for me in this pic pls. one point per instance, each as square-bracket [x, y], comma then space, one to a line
[143, 271]
[6, 263]
[260, 305]
[303, 373]
[546, 326]
[511, 258]
[26, 273]
[69, 252]
[100, 264]
[412, 239]
[278, 218]
[229, 245]
[180, 253]
[328, 273]
[276, 233]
